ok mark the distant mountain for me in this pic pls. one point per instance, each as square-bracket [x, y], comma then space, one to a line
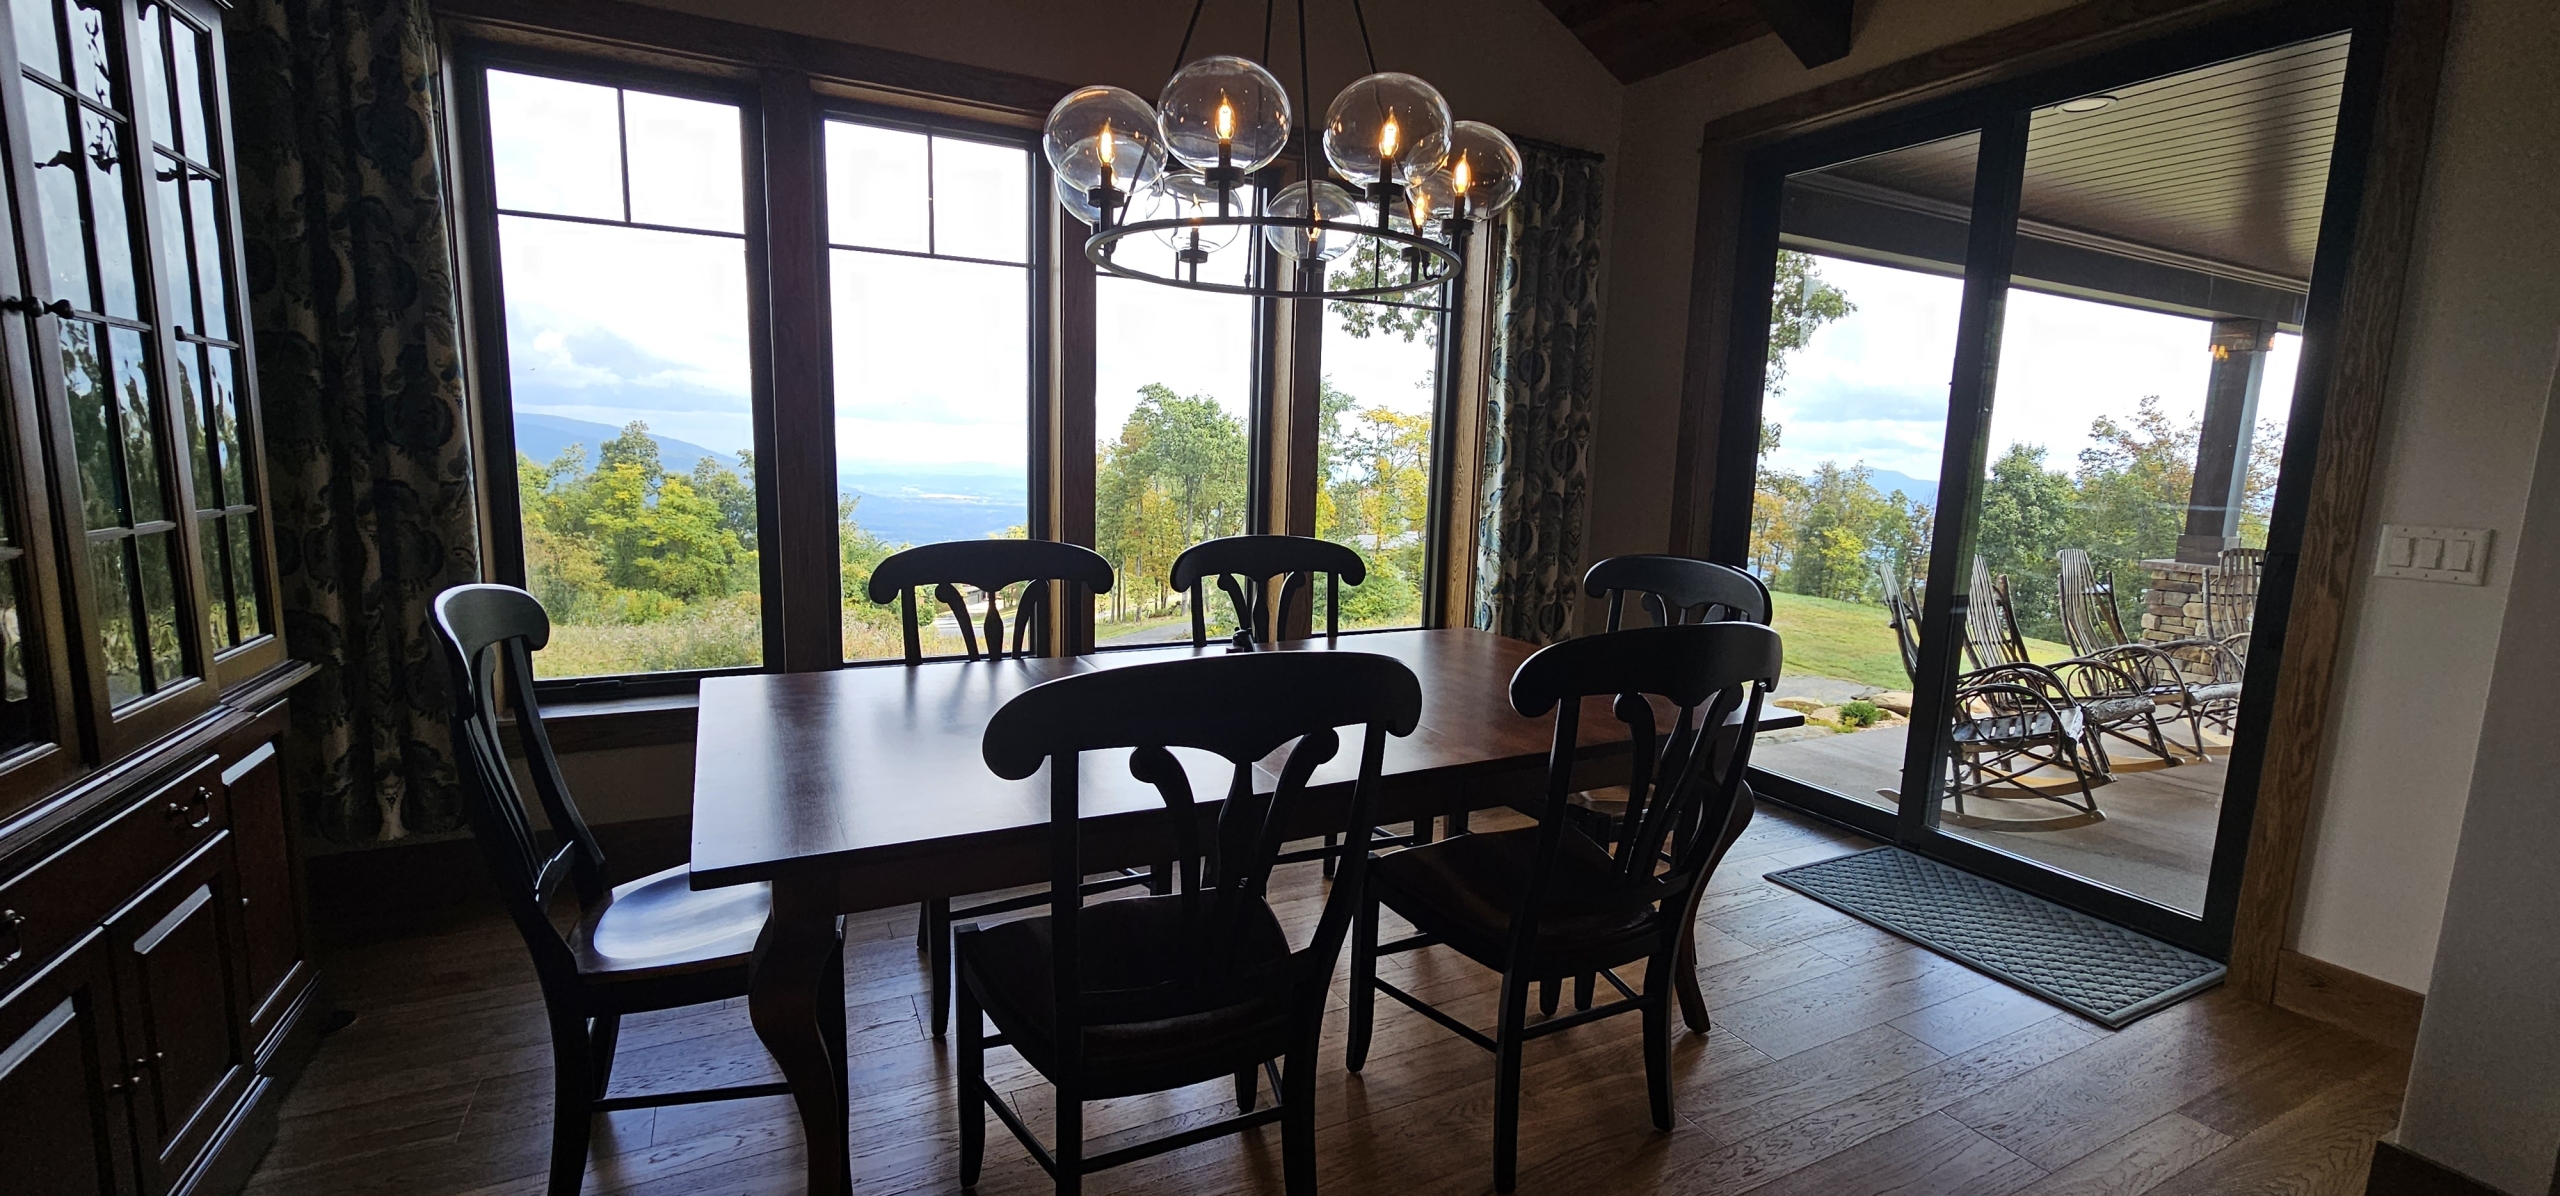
[1887, 481]
[926, 508]
[544, 437]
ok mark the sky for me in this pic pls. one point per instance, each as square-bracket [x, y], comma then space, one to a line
[1871, 387]
[932, 357]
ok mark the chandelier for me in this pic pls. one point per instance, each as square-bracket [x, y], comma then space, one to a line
[1207, 166]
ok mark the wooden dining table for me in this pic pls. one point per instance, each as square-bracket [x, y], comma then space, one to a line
[863, 788]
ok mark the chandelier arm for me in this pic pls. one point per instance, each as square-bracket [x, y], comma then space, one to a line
[1183, 55]
[1444, 260]
[1365, 47]
[1267, 6]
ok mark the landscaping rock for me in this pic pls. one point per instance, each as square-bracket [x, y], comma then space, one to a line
[1893, 701]
[1829, 691]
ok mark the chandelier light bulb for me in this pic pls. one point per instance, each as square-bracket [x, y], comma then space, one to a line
[1289, 232]
[1224, 111]
[1104, 137]
[1387, 127]
[1486, 171]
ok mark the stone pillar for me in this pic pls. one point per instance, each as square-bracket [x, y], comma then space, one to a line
[2172, 600]
[2222, 450]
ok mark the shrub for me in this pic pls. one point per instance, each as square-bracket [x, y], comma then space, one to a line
[1859, 713]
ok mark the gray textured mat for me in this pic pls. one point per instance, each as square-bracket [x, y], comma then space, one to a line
[2096, 969]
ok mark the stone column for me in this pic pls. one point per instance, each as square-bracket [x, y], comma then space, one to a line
[2222, 450]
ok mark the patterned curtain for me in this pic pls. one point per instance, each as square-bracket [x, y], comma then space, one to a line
[1537, 426]
[352, 297]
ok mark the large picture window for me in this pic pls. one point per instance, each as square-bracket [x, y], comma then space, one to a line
[1380, 391]
[621, 222]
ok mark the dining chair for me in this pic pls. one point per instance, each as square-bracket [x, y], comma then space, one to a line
[1677, 589]
[1148, 994]
[1548, 900]
[1243, 568]
[649, 944]
[1670, 590]
[989, 567]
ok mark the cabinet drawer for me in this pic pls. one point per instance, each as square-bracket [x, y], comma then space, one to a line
[60, 899]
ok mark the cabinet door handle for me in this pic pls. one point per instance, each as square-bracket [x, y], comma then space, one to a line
[203, 800]
[10, 921]
[29, 305]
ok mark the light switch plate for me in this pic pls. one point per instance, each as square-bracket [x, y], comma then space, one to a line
[2457, 555]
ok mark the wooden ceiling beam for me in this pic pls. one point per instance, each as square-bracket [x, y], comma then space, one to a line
[1816, 30]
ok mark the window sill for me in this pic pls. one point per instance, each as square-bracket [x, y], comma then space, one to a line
[607, 724]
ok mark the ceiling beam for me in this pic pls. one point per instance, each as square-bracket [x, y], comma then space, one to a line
[1817, 30]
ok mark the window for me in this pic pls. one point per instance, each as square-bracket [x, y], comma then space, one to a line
[1373, 439]
[1173, 419]
[930, 270]
[620, 223]
[728, 362]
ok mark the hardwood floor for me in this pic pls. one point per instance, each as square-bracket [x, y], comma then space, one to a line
[1844, 1062]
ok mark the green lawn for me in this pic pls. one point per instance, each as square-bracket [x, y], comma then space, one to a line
[1828, 638]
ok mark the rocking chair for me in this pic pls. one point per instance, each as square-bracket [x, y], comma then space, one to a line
[2196, 674]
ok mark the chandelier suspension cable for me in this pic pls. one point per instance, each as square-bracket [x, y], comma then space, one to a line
[1365, 47]
[1267, 6]
[1183, 55]
[1307, 133]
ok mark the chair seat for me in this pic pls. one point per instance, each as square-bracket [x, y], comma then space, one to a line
[2219, 691]
[2004, 731]
[1464, 891]
[1146, 1017]
[659, 926]
[2117, 710]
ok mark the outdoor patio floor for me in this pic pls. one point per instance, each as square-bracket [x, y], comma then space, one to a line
[2156, 841]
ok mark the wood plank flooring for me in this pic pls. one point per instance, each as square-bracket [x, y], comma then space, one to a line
[1844, 1062]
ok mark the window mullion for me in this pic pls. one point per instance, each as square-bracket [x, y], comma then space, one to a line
[797, 394]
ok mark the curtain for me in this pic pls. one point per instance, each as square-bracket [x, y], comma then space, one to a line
[1537, 425]
[360, 384]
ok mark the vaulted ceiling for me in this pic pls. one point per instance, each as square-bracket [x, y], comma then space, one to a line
[1638, 39]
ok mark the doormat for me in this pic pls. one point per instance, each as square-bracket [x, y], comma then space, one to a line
[2101, 971]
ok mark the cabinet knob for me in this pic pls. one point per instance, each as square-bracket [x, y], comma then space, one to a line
[29, 305]
[10, 921]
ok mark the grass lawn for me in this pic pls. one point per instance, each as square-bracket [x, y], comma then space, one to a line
[1828, 638]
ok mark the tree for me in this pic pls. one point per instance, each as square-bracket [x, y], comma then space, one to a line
[2026, 515]
[1799, 303]
[1371, 266]
[2135, 479]
[628, 543]
[1175, 476]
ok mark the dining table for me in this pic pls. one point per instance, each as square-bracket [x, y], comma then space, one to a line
[863, 788]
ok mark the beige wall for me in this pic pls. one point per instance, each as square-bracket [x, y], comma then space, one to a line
[2472, 381]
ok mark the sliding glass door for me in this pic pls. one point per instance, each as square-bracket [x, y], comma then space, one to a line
[2027, 386]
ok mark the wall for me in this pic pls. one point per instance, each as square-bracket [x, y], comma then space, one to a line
[2470, 388]
[1656, 232]
[1506, 62]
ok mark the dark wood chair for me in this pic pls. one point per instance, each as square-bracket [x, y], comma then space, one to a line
[1243, 567]
[1548, 900]
[990, 567]
[650, 944]
[1677, 589]
[1147, 994]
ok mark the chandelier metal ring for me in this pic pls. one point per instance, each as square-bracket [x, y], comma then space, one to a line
[1442, 262]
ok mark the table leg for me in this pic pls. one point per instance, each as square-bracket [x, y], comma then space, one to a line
[786, 996]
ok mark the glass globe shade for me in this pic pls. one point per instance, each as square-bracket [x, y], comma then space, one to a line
[1491, 165]
[1432, 196]
[1329, 202]
[1383, 123]
[1099, 130]
[1184, 195]
[1226, 99]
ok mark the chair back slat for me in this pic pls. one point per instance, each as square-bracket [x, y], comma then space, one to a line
[1244, 567]
[989, 567]
[1241, 708]
[1902, 613]
[2231, 592]
[1689, 789]
[489, 633]
[1677, 589]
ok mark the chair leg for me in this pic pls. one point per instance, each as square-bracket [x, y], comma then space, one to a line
[573, 1103]
[1582, 991]
[938, 958]
[1506, 1083]
[1069, 1151]
[834, 1026]
[1248, 1088]
[1298, 1121]
[1364, 974]
[973, 1100]
[1332, 844]
[1422, 828]
[1657, 1047]
[1549, 989]
[924, 927]
[1160, 877]
[600, 1044]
